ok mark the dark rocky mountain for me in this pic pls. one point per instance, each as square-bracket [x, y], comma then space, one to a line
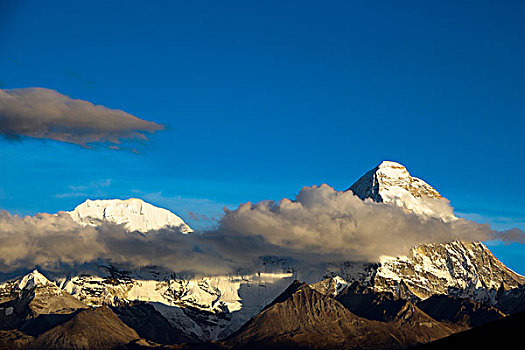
[373, 305]
[149, 323]
[95, 329]
[504, 333]
[512, 300]
[302, 317]
[82, 328]
[460, 311]
[414, 325]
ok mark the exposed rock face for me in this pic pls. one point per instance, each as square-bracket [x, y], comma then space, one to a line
[459, 311]
[133, 213]
[465, 269]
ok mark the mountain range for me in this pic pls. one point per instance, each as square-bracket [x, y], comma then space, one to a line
[436, 290]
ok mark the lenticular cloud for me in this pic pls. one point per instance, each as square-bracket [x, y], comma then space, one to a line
[47, 114]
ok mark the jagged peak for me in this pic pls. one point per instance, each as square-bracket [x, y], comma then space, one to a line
[390, 182]
[32, 279]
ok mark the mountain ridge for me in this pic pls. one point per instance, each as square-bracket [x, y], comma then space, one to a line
[212, 307]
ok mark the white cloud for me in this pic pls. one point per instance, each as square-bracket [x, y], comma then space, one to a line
[320, 225]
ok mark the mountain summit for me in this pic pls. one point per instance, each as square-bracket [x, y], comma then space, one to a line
[390, 182]
[133, 213]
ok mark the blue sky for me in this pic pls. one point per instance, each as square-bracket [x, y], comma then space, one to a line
[262, 98]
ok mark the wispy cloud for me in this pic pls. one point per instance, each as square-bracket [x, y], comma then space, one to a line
[498, 221]
[200, 212]
[47, 114]
[91, 190]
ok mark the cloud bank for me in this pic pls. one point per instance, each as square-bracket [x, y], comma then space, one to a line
[320, 225]
[47, 114]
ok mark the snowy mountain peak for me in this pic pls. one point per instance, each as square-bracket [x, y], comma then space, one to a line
[393, 170]
[133, 213]
[390, 182]
[32, 279]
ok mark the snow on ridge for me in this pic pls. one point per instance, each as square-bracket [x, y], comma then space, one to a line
[33, 279]
[390, 182]
[133, 213]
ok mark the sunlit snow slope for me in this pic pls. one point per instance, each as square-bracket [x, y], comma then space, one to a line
[133, 213]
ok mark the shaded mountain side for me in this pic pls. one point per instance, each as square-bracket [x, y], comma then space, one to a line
[504, 333]
[149, 323]
[92, 329]
[365, 302]
[460, 311]
[14, 339]
[413, 325]
[512, 300]
[301, 317]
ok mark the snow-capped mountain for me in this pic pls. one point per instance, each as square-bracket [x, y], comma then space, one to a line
[390, 182]
[211, 307]
[133, 213]
[465, 269]
[199, 307]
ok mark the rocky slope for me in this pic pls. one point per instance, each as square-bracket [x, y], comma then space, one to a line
[303, 317]
[33, 304]
[465, 269]
[94, 329]
[459, 311]
[414, 324]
